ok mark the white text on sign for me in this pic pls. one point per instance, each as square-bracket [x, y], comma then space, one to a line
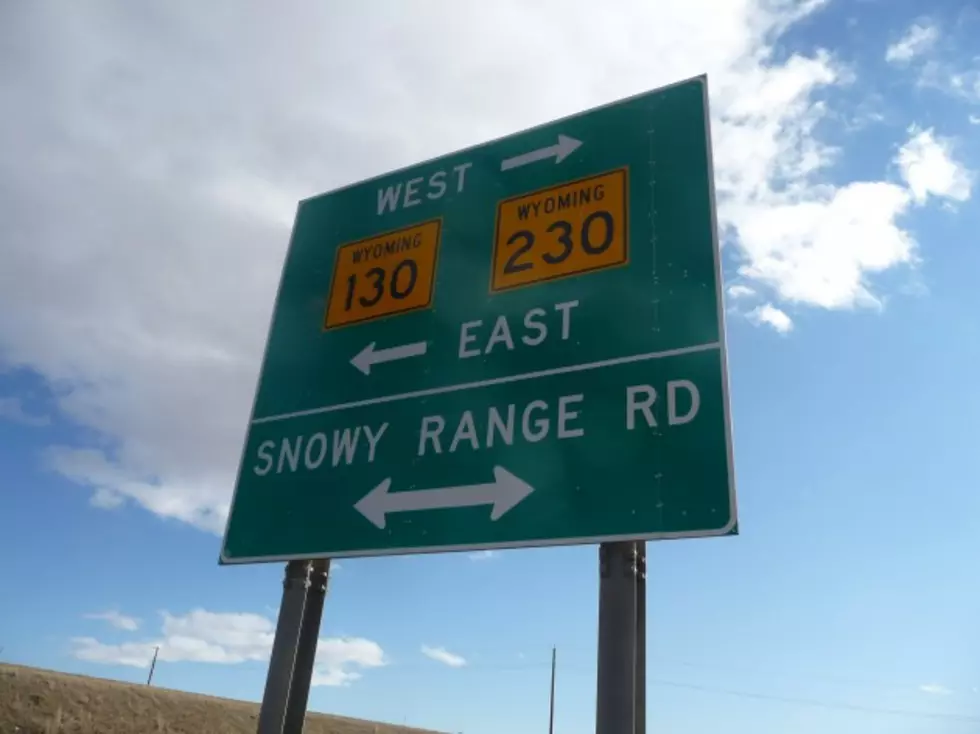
[474, 341]
[414, 191]
[298, 451]
[535, 424]
[677, 403]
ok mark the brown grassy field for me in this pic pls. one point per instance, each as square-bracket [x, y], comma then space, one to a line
[42, 702]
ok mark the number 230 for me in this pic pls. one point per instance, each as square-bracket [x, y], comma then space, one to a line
[588, 238]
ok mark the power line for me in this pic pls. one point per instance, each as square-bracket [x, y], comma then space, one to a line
[965, 718]
[773, 672]
[790, 700]
[662, 663]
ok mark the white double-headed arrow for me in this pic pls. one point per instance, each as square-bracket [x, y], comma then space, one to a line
[560, 151]
[370, 356]
[504, 492]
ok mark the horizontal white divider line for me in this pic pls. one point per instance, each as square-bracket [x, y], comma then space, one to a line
[487, 383]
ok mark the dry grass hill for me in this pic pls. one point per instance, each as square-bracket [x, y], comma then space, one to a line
[43, 702]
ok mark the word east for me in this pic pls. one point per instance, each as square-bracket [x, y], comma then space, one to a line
[475, 340]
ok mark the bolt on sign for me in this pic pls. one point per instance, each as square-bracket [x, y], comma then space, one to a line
[518, 344]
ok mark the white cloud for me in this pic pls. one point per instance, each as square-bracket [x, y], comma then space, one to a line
[919, 38]
[952, 78]
[740, 291]
[928, 166]
[339, 660]
[117, 620]
[818, 248]
[105, 498]
[12, 409]
[133, 654]
[218, 637]
[935, 689]
[231, 638]
[442, 655]
[252, 196]
[974, 119]
[483, 555]
[153, 180]
[810, 242]
[113, 482]
[769, 314]
[965, 84]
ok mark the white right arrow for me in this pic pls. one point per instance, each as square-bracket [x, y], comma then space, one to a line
[564, 148]
[504, 493]
[369, 356]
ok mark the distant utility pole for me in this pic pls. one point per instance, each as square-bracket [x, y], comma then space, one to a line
[551, 715]
[153, 665]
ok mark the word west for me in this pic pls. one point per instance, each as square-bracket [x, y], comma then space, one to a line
[410, 193]
[311, 453]
[474, 340]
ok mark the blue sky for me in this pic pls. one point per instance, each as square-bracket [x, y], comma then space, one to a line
[151, 161]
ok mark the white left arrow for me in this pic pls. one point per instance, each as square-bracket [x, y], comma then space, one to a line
[504, 492]
[370, 356]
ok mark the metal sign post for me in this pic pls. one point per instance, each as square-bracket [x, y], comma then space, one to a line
[299, 690]
[272, 715]
[616, 685]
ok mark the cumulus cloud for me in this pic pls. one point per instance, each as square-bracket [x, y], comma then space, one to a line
[12, 409]
[918, 39]
[231, 638]
[819, 249]
[952, 77]
[151, 177]
[929, 168]
[484, 555]
[133, 654]
[117, 620]
[340, 659]
[114, 481]
[442, 655]
[965, 84]
[772, 316]
[740, 291]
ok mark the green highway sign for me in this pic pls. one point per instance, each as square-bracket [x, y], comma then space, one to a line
[518, 344]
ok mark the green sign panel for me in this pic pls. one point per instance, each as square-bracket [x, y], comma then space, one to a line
[518, 344]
